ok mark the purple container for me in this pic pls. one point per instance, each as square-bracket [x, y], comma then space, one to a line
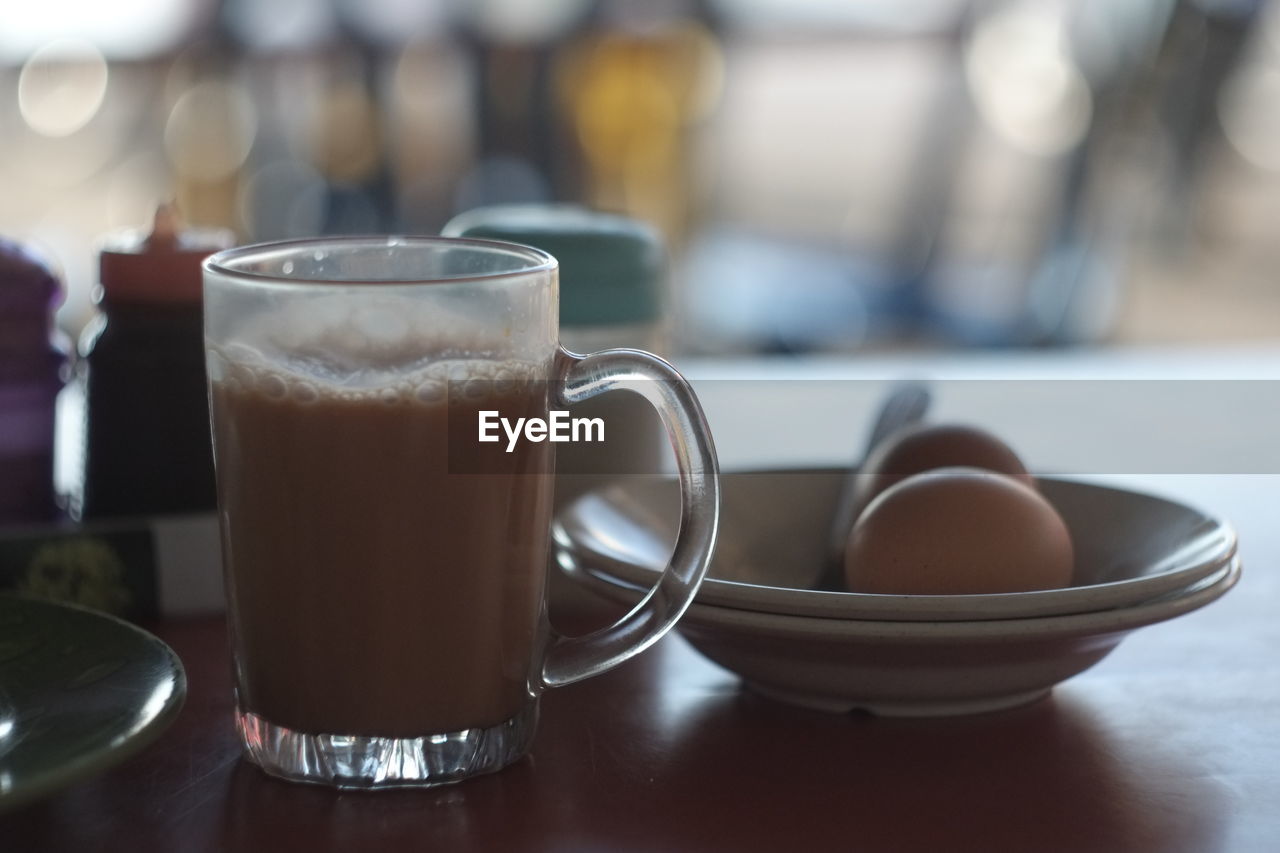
[32, 372]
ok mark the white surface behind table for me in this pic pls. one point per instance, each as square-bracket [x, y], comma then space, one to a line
[1086, 412]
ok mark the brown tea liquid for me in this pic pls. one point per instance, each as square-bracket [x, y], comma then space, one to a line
[379, 585]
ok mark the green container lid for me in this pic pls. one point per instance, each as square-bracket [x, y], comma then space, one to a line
[610, 266]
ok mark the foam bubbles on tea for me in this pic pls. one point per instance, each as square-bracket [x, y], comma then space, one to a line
[381, 342]
[388, 349]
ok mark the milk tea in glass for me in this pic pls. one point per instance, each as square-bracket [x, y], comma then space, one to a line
[385, 568]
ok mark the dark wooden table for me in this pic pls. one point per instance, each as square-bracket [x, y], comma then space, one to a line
[1171, 744]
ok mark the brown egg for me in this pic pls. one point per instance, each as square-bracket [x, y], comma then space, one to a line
[957, 531]
[923, 447]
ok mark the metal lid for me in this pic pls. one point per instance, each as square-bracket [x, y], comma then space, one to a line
[610, 266]
[29, 283]
[30, 292]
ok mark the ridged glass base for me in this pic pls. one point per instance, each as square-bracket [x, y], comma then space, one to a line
[347, 761]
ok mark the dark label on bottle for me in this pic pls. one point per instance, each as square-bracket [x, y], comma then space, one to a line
[112, 570]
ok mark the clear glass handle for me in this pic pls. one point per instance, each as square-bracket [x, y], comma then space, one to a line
[570, 659]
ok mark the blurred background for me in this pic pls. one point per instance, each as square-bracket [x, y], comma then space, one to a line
[830, 175]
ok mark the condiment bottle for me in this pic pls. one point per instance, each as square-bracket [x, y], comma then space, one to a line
[611, 270]
[147, 437]
[32, 367]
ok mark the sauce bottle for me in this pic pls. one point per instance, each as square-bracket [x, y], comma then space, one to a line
[147, 438]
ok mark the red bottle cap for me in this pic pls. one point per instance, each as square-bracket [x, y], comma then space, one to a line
[160, 267]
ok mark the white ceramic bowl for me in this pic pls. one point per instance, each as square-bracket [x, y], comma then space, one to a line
[909, 668]
[1129, 548]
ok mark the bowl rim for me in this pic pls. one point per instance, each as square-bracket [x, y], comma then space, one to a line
[710, 618]
[1220, 549]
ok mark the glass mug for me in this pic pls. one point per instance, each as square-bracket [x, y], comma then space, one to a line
[385, 569]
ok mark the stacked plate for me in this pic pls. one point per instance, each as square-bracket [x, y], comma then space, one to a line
[1139, 560]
